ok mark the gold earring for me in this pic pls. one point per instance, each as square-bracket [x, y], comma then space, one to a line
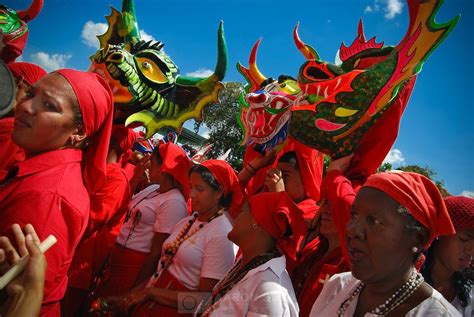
[254, 226]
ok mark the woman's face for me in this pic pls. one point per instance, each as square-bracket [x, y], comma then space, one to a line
[204, 198]
[293, 182]
[328, 227]
[379, 246]
[44, 117]
[457, 251]
[243, 227]
[155, 175]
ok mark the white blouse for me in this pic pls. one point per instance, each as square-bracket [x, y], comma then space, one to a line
[467, 311]
[340, 287]
[264, 291]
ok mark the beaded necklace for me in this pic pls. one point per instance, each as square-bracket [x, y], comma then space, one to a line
[170, 249]
[397, 298]
[233, 277]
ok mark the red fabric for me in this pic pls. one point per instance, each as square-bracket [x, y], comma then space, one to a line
[314, 271]
[14, 48]
[461, 211]
[340, 195]
[29, 72]
[150, 308]
[308, 208]
[378, 140]
[310, 163]
[10, 153]
[96, 103]
[124, 137]
[111, 199]
[228, 180]
[48, 192]
[122, 272]
[275, 212]
[177, 164]
[419, 195]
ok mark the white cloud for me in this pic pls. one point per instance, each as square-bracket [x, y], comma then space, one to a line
[395, 156]
[393, 8]
[467, 193]
[146, 37]
[92, 29]
[90, 32]
[201, 72]
[50, 62]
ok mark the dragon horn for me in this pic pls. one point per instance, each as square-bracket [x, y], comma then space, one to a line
[129, 20]
[221, 66]
[307, 51]
[253, 69]
[32, 11]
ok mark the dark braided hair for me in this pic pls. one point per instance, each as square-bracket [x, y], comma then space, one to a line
[463, 281]
[209, 178]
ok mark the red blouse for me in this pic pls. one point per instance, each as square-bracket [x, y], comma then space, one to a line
[47, 191]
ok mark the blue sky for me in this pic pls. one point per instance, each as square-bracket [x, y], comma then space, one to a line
[437, 128]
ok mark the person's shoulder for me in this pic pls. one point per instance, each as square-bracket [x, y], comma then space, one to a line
[435, 305]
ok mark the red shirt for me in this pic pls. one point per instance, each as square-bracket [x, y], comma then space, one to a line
[108, 206]
[10, 153]
[48, 192]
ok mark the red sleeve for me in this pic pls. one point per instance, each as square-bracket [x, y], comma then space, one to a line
[338, 191]
[105, 203]
[49, 213]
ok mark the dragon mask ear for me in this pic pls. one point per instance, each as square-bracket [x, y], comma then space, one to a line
[31, 12]
[122, 27]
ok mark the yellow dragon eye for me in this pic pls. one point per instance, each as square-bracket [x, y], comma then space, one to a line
[151, 71]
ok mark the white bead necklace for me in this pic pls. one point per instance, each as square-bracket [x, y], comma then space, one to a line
[397, 298]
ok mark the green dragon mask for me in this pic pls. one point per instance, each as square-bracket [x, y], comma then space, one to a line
[145, 81]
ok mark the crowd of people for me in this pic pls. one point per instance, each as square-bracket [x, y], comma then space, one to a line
[159, 234]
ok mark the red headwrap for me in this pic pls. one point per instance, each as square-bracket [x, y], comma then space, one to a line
[275, 212]
[419, 195]
[124, 138]
[227, 179]
[461, 210]
[177, 164]
[96, 103]
[29, 72]
[378, 140]
[310, 163]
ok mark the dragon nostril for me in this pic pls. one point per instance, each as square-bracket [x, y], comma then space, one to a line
[257, 98]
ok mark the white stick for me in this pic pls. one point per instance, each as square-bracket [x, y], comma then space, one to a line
[19, 267]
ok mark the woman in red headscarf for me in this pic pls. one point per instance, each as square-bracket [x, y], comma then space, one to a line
[258, 283]
[323, 253]
[25, 74]
[61, 114]
[448, 265]
[151, 216]
[197, 254]
[394, 217]
[108, 208]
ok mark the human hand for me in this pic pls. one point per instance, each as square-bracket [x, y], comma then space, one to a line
[264, 161]
[32, 279]
[274, 180]
[26, 291]
[142, 164]
[341, 164]
[134, 298]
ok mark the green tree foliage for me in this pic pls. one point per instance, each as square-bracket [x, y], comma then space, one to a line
[221, 120]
